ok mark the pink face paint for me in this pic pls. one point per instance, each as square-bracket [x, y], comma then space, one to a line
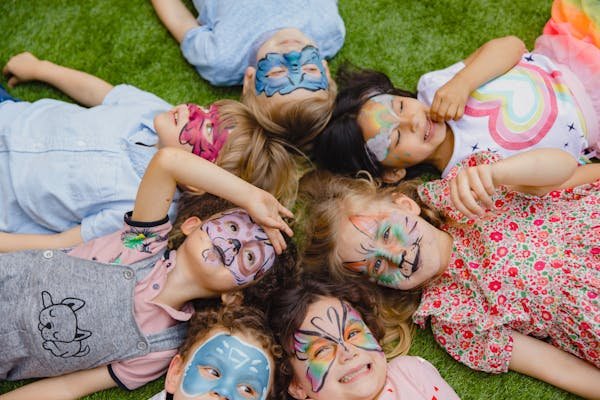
[204, 132]
[339, 326]
[240, 245]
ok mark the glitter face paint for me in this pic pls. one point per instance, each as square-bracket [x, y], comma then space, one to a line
[339, 327]
[239, 245]
[295, 78]
[378, 115]
[204, 132]
[392, 248]
[229, 367]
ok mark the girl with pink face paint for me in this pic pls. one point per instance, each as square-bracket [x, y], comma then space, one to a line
[74, 171]
[330, 338]
[501, 99]
[501, 258]
[130, 283]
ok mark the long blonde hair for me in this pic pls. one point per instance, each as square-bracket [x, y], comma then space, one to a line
[298, 122]
[255, 155]
[327, 200]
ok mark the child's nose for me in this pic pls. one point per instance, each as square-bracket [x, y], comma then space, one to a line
[347, 353]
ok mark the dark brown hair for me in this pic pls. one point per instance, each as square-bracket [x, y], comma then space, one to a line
[289, 305]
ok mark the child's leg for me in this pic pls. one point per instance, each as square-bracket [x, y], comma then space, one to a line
[4, 96]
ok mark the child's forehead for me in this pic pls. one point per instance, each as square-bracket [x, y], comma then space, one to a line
[238, 214]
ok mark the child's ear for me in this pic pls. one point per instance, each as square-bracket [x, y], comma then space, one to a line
[393, 175]
[174, 374]
[296, 391]
[406, 203]
[190, 225]
[326, 66]
[249, 77]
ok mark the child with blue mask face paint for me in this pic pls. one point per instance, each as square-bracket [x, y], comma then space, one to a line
[113, 310]
[276, 51]
[70, 172]
[229, 353]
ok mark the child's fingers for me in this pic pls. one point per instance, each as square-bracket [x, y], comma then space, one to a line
[12, 82]
[276, 239]
[480, 188]
[285, 212]
[464, 191]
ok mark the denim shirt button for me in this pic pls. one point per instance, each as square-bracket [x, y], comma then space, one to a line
[127, 274]
[48, 254]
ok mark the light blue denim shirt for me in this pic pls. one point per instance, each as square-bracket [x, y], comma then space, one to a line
[229, 30]
[62, 164]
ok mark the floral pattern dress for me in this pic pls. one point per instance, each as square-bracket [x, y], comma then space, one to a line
[532, 266]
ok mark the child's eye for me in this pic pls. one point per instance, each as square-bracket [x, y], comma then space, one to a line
[209, 373]
[247, 391]
[276, 72]
[386, 234]
[353, 333]
[232, 226]
[250, 257]
[323, 351]
[377, 266]
[310, 69]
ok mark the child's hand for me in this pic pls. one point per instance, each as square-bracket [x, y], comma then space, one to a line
[450, 100]
[268, 212]
[21, 68]
[471, 188]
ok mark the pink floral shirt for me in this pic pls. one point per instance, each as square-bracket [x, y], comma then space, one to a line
[532, 266]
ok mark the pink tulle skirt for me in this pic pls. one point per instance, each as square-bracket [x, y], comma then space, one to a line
[571, 38]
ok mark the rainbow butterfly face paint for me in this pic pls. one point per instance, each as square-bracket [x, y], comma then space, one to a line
[391, 247]
[331, 331]
[239, 245]
[204, 132]
[229, 367]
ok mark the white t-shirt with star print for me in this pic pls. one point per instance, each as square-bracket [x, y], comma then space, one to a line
[528, 107]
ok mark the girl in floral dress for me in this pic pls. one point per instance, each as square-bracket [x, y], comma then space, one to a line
[506, 252]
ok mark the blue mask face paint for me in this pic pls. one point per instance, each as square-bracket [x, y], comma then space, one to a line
[229, 367]
[294, 76]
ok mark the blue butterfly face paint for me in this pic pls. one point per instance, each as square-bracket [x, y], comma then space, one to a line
[285, 72]
[229, 367]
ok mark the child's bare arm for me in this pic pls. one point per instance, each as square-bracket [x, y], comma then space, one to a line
[538, 359]
[529, 172]
[82, 87]
[20, 241]
[175, 17]
[171, 166]
[489, 61]
[71, 386]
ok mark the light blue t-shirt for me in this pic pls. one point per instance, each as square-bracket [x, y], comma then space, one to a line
[220, 47]
[62, 164]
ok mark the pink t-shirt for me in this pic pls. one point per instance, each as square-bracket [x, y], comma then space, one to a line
[413, 378]
[136, 242]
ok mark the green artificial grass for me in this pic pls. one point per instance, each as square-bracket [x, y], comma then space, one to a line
[123, 41]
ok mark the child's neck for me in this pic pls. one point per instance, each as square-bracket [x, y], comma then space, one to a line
[442, 155]
[181, 286]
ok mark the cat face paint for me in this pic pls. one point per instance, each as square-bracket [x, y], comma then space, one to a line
[229, 367]
[378, 115]
[329, 333]
[240, 245]
[285, 72]
[391, 245]
[204, 132]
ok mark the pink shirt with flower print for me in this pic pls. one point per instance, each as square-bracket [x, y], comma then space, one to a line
[532, 265]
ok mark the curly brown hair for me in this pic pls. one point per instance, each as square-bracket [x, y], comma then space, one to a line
[289, 305]
[234, 317]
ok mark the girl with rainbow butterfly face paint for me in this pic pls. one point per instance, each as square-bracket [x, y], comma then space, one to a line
[81, 185]
[332, 350]
[501, 99]
[500, 258]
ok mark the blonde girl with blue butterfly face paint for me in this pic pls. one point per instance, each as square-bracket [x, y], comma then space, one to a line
[229, 353]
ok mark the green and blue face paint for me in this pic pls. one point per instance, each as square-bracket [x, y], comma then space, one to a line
[229, 367]
[295, 78]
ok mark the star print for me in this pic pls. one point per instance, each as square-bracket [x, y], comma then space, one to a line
[529, 57]
[566, 145]
[571, 126]
[474, 147]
